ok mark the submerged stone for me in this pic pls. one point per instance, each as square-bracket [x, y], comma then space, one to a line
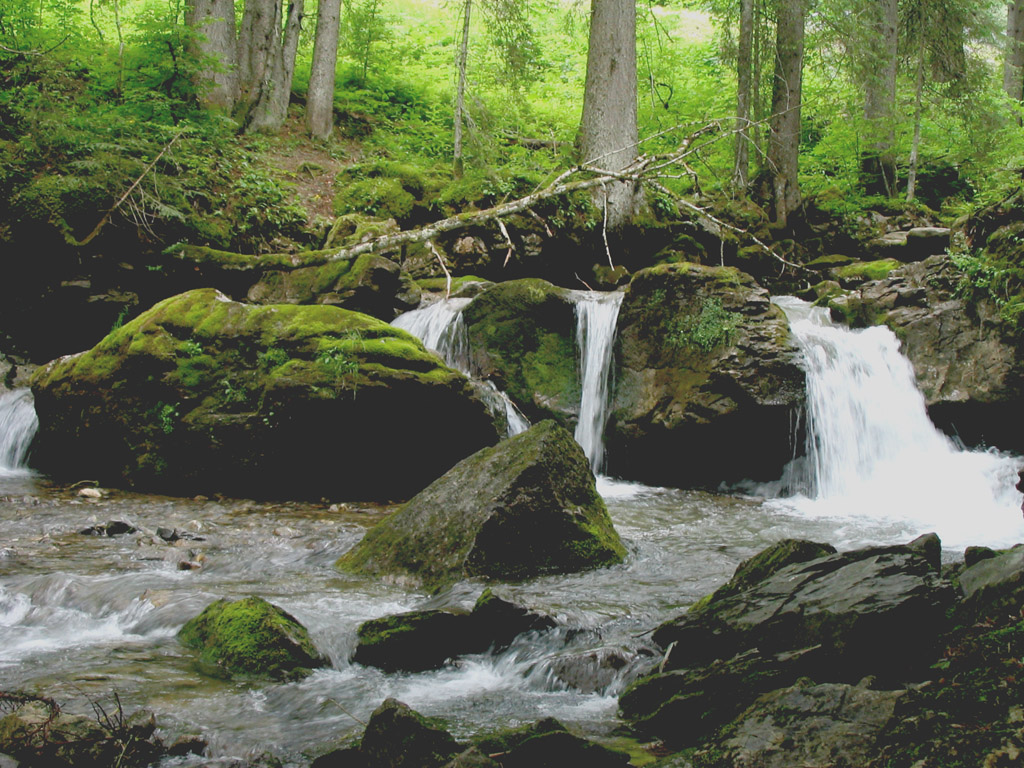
[204, 395]
[251, 638]
[523, 508]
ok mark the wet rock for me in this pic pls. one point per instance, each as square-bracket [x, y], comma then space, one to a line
[806, 725]
[426, 639]
[706, 383]
[594, 671]
[521, 509]
[472, 758]
[891, 245]
[548, 744]
[90, 493]
[522, 336]
[923, 242]
[974, 555]
[201, 394]
[399, 737]
[112, 528]
[994, 584]
[251, 638]
[187, 745]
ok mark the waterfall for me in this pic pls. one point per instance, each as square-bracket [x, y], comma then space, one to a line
[17, 428]
[440, 327]
[872, 450]
[596, 317]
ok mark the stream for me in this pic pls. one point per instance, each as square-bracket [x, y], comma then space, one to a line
[85, 616]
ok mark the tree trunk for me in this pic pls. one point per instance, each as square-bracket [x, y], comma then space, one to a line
[744, 64]
[918, 103]
[460, 93]
[320, 97]
[258, 37]
[878, 163]
[213, 27]
[784, 136]
[1013, 66]
[270, 112]
[608, 129]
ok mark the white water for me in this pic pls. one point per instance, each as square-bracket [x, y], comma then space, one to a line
[596, 318]
[440, 327]
[18, 425]
[873, 454]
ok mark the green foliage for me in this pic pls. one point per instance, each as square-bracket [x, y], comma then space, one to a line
[364, 27]
[712, 327]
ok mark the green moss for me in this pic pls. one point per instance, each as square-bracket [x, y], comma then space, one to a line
[251, 637]
[867, 270]
[440, 284]
[713, 326]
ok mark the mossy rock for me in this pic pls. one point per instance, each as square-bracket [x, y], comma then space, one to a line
[397, 736]
[201, 394]
[251, 638]
[548, 743]
[863, 271]
[522, 336]
[523, 508]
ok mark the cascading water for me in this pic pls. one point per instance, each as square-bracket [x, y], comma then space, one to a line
[596, 317]
[871, 450]
[440, 327]
[18, 425]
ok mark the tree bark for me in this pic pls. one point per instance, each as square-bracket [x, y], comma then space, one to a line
[608, 127]
[320, 97]
[918, 105]
[744, 65]
[258, 36]
[878, 68]
[272, 108]
[1013, 66]
[460, 93]
[784, 136]
[213, 27]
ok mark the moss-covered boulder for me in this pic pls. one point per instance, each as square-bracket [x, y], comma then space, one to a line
[399, 737]
[201, 394]
[520, 509]
[522, 336]
[251, 638]
[706, 382]
[548, 744]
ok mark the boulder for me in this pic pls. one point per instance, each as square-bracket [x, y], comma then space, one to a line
[399, 737]
[923, 242]
[419, 640]
[994, 584]
[548, 744]
[836, 618]
[805, 725]
[891, 245]
[251, 638]
[968, 368]
[706, 383]
[523, 508]
[522, 336]
[370, 284]
[203, 395]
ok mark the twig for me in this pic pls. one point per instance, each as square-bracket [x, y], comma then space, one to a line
[115, 206]
[338, 704]
[511, 247]
[604, 231]
[447, 274]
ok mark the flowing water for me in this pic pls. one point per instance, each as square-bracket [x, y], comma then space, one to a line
[85, 616]
[596, 317]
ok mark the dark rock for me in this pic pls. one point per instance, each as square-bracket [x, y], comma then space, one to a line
[187, 745]
[204, 395]
[547, 744]
[113, 528]
[806, 725]
[251, 638]
[923, 242]
[521, 509]
[522, 336]
[929, 547]
[974, 555]
[472, 758]
[995, 584]
[891, 245]
[167, 534]
[399, 737]
[426, 639]
[704, 364]
[595, 671]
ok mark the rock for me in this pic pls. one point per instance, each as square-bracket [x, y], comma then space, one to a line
[90, 493]
[113, 528]
[923, 242]
[203, 395]
[806, 725]
[968, 368]
[994, 584]
[548, 744]
[371, 284]
[593, 671]
[837, 618]
[418, 640]
[974, 555]
[524, 508]
[522, 336]
[251, 638]
[472, 758]
[37, 734]
[891, 245]
[707, 380]
[399, 737]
